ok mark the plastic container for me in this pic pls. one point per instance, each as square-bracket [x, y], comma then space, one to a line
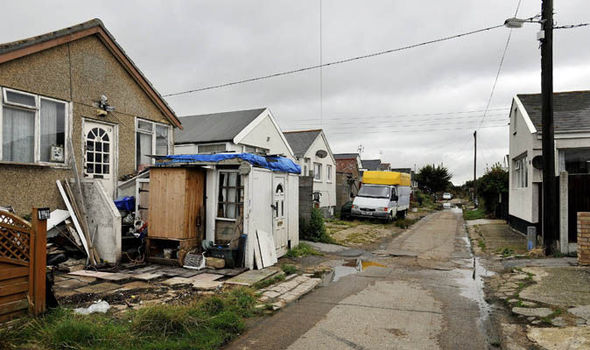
[125, 203]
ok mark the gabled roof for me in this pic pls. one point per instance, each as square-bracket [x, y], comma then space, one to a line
[20, 48]
[346, 155]
[301, 140]
[371, 164]
[571, 110]
[215, 127]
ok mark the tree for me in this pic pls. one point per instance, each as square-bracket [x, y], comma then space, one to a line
[491, 185]
[433, 179]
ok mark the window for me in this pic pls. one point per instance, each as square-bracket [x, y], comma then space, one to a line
[231, 195]
[98, 151]
[520, 172]
[317, 172]
[33, 128]
[305, 170]
[576, 160]
[213, 148]
[329, 173]
[150, 138]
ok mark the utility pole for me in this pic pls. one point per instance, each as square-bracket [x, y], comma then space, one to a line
[475, 168]
[549, 202]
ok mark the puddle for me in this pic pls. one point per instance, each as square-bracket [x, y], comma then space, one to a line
[349, 267]
[471, 285]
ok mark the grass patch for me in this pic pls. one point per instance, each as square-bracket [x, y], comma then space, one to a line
[475, 214]
[404, 223]
[269, 281]
[303, 249]
[288, 269]
[481, 243]
[206, 323]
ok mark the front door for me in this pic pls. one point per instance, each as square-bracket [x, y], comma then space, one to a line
[99, 150]
[279, 224]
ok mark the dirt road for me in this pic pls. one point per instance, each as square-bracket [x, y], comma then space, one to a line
[424, 298]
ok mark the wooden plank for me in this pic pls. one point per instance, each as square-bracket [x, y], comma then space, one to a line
[14, 306]
[39, 254]
[268, 251]
[12, 315]
[80, 214]
[13, 261]
[8, 272]
[13, 286]
[12, 297]
[257, 253]
[73, 217]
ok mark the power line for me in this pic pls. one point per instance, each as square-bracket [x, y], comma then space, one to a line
[571, 26]
[385, 119]
[500, 66]
[382, 125]
[346, 60]
[413, 130]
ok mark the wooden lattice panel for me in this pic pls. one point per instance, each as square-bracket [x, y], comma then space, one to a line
[15, 238]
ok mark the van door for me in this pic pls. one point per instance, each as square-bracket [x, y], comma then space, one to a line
[393, 199]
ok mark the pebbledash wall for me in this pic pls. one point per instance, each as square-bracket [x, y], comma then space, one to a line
[78, 72]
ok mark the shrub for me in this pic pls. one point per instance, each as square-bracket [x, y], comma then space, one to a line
[303, 249]
[315, 229]
[288, 269]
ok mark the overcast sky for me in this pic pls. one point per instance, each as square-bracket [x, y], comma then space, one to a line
[402, 107]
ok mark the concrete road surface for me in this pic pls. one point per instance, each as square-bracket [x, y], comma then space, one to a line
[428, 299]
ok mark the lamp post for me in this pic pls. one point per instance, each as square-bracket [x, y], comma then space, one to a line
[549, 202]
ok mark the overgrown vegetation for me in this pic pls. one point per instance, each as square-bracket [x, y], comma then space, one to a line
[303, 249]
[405, 222]
[269, 281]
[288, 269]
[315, 229]
[478, 213]
[207, 323]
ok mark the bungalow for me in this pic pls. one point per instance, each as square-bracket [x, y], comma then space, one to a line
[313, 154]
[572, 161]
[251, 131]
[73, 99]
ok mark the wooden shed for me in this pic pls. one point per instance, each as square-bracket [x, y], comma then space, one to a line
[176, 211]
[219, 198]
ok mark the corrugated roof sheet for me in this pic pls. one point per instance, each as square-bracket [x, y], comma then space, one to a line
[571, 110]
[371, 164]
[300, 141]
[215, 127]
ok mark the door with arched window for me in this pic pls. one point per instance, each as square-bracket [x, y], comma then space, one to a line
[280, 208]
[99, 151]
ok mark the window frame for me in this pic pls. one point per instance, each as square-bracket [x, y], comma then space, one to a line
[329, 173]
[239, 188]
[520, 176]
[153, 135]
[317, 175]
[37, 127]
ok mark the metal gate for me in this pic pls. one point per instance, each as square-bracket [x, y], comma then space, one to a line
[578, 200]
[22, 265]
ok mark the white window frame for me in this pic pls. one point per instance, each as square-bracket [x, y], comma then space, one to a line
[225, 146]
[317, 175]
[329, 173]
[37, 123]
[520, 172]
[153, 134]
[237, 204]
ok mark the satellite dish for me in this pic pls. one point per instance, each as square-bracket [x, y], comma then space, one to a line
[321, 154]
[538, 162]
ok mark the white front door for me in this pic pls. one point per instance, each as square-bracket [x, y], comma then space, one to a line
[279, 224]
[99, 149]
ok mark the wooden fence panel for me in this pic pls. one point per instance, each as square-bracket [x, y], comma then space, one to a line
[22, 265]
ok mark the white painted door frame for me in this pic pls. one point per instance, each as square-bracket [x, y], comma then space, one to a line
[109, 180]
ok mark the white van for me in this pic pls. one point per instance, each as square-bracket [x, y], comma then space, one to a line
[383, 195]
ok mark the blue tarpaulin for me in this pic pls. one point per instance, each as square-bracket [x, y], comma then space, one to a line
[273, 163]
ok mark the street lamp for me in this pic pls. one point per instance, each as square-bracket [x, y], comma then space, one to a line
[549, 202]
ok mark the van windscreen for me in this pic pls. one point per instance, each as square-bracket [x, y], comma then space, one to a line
[374, 191]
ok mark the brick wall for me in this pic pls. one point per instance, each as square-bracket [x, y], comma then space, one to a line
[584, 238]
[305, 197]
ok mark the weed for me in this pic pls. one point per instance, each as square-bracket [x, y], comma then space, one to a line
[474, 214]
[481, 243]
[404, 223]
[288, 269]
[303, 249]
[269, 281]
[506, 252]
